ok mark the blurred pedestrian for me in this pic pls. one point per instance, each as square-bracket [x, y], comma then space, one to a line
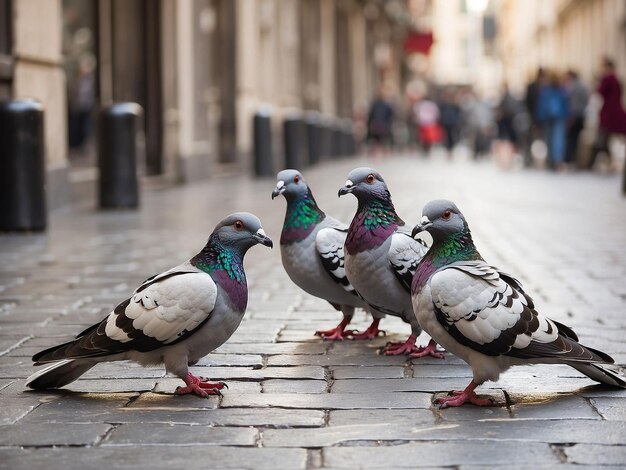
[449, 116]
[427, 119]
[82, 100]
[578, 97]
[505, 143]
[379, 122]
[552, 112]
[531, 100]
[612, 115]
[478, 124]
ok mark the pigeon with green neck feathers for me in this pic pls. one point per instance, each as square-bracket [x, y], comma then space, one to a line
[484, 316]
[311, 248]
[381, 257]
[174, 318]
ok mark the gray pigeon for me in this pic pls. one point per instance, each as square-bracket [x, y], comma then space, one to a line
[483, 315]
[174, 318]
[381, 256]
[311, 247]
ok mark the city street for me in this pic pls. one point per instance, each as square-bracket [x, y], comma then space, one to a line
[295, 401]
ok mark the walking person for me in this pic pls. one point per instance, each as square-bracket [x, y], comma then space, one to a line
[531, 100]
[504, 147]
[379, 122]
[449, 118]
[552, 112]
[578, 97]
[612, 114]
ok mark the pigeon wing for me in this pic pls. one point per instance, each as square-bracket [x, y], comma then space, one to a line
[164, 310]
[489, 312]
[405, 254]
[329, 245]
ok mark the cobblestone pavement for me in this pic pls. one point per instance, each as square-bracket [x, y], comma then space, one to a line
[295, 401]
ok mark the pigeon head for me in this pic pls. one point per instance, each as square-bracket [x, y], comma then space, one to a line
[365, 183]
[441, 218]
[241, 231]
[291, 184]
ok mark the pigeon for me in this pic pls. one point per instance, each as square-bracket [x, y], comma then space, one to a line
[381, 256]
[174, 318]
[483, 315]
[311, 248]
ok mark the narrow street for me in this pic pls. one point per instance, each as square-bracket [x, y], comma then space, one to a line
[295, 401]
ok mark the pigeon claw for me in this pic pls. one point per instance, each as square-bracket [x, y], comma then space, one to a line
[397, 349]
[197, 390]
[334, 334]
[367, 334]
[429, 350]
[200, 386]
[372, 331]
[460, 397]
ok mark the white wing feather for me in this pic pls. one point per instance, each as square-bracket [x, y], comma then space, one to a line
[167, 309]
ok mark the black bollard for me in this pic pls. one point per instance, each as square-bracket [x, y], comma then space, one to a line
[294, 139]
[263, 165]
[336, 145]
[326, 138]
[118, 125]
[22, 181]
[313, 137]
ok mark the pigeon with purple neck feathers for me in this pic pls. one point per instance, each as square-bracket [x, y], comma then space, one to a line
[311, 248]
[174, 318]
[483, 315]
[381, 257]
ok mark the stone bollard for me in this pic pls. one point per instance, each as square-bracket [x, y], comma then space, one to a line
[294, 137]
[336, 139]
[118, 126]
[22, 180]
[263, 165]
[314, 137]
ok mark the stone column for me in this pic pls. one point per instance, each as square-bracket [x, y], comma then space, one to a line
[38, 74]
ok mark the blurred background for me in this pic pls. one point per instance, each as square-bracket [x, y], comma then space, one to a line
[527, 83]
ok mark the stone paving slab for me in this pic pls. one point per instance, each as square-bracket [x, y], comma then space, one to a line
[143, 434]
[294, 400]
[52, 434]
[165, 457]
[439, 454]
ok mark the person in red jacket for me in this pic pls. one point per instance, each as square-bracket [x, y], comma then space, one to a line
[612, 114]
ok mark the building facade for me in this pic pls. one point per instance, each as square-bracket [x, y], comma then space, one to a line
[200, 69]
[561, 35]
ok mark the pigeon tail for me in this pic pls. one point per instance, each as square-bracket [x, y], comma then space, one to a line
[609, 375]
[59, 374]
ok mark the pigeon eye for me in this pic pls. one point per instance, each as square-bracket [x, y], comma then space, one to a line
[238, 225]
[370, 178]
[296, 179]
[446, 214]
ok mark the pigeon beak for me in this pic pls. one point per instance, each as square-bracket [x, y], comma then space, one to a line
[263, 239]
[423, 225]
[279, 189]
[346, 189]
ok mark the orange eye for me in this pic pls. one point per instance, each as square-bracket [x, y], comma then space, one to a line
[238, 225]
[370, 178]
[296, 179]
[446, 214]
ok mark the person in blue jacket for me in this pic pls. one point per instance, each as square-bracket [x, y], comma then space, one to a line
[552, 113]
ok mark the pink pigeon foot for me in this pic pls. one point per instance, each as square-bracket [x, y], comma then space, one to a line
[397, 349]
[200, 386]
[460, 397]
[372, 331]
[338, 333]
[429, 350]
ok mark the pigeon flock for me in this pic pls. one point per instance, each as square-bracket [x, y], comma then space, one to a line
[377, 264]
